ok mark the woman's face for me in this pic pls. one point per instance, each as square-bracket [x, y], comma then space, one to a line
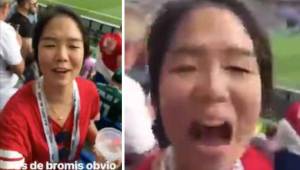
[210, 86]
[60, 51]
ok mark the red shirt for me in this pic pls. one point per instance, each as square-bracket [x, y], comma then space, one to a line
[110, 60]
[251, 160]
[21, 129]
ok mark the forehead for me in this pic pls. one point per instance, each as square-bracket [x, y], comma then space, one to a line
[31, 1]
[62, 25]
[211, 27]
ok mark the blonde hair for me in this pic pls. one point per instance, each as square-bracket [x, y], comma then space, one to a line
[136, 24]
[3, 2]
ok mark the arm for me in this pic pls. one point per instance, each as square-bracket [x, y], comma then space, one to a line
[18, 68]
[12, 53]
[16, 144]
[26, 50]
[92, 133]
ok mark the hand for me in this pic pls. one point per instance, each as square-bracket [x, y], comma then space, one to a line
[19, 39]
[101, 159]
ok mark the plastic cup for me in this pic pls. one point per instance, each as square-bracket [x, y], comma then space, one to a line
[108, 143]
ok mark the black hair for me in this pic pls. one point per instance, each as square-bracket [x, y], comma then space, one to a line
[163, 30]
[20, 2]
[47, 15]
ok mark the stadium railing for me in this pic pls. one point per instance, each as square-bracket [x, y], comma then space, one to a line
[282, 98]
[95, 28]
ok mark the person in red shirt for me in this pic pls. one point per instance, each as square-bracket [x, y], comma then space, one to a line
[50, 119]
[110, 46]
[210, 70]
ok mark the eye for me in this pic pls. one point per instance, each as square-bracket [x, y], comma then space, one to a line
[238, 69]
[184, 69]
[49, 45]
[74, 46]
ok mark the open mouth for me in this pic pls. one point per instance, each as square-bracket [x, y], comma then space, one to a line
[60, 70]
[211, 135]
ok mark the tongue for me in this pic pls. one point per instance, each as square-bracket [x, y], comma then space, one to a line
[214, 136]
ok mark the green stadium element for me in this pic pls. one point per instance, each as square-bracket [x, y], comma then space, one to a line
[111, 99]
[109, 11]
[286, 51]
[117, 77]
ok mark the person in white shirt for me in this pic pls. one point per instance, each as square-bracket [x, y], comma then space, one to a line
[11, 61]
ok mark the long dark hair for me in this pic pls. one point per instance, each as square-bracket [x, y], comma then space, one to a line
[47, 15]
[163, 30]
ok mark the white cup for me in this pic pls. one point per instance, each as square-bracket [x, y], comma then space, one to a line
[108, 143]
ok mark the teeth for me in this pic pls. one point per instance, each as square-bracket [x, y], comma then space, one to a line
[60, 70]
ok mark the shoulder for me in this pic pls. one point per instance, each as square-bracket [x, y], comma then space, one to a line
[7, 30]
[148, 162]
[19, 109]
[22, 99]
[254, 159]
[86, 87]
[17, 18]
[84, 83]
[133, 90]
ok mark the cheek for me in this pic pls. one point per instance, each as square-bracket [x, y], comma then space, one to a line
[45, 60]
[248, 107]
[77, 61]
[174, 107]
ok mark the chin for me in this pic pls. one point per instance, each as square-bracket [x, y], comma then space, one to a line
[62, 82]
[214, 151]
[222, 153]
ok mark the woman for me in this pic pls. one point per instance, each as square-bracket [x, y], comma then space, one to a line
[211, 73]
[49, 119]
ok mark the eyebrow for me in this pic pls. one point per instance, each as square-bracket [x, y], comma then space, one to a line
[238, 51]
[190, 50]
[194, 51]
[56, 39]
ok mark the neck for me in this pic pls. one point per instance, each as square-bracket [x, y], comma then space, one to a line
[58, 94]
[22, 11]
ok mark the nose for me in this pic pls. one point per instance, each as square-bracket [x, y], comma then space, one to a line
[211, 86]
[61, 54]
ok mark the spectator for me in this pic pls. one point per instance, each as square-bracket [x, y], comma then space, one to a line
[136, 28]
[210, 70]
[25, 28]
[135, 51]
[88, 68]
[32, 16]
[288, 138]
[139, 138]
[110, 46]
[11, 62]
[111, 106]
[59, 98]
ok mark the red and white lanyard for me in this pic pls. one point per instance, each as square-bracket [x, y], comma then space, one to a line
[52, 145]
